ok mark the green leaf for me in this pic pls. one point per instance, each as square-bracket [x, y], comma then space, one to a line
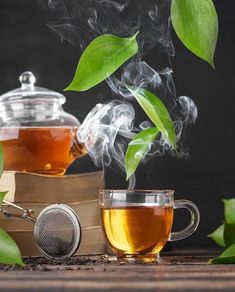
[218, 236]
[196, 24]
[223, 260]
[1, 159]
[227, 257]
[230, 251]
[101, 58]
[229, 210]
[156, 111]
[138, 148]
[9, 251]
[229, 233]
[2, 195]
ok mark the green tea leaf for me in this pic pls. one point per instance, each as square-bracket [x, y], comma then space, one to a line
[229, 210]
[229, 233]
[138, 148]
[101, 58]
[230, 251]
[196, 24]
[2, 195]
[1, 159]
[218, 236]
[223, 260]
[9, 251]
[156, 111]
[227, 257]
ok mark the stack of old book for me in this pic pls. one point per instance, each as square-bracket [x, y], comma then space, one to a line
[33, 191]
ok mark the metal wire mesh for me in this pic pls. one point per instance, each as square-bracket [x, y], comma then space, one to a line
[57, 232]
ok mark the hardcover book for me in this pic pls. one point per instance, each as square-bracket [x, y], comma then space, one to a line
[36, 188]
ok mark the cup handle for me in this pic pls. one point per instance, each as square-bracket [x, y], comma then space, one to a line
[195, 219]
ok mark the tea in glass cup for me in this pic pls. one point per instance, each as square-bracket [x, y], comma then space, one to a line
[137, 224]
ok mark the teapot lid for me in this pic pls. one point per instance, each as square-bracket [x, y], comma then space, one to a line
[29, 91]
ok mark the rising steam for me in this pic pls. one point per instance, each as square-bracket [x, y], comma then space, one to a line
[105, 130]
[108, 128]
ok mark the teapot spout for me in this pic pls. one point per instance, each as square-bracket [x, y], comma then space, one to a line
[78, 149]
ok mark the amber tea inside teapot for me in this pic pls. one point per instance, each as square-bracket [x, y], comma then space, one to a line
[37, 135]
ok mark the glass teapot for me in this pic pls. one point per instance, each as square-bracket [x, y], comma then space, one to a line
[37, 135]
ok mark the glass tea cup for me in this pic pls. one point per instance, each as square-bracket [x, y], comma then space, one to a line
[137, 224]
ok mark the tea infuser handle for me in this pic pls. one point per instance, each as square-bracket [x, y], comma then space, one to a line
[26, 213]
[195, 219]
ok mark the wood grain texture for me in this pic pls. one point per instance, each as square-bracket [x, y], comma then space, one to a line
[177, 271]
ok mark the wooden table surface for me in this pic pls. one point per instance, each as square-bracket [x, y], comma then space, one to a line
[177, 271]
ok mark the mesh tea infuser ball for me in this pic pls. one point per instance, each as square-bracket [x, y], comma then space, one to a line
[57, 229]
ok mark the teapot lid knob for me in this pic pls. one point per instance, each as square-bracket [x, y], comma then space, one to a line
[27, 79]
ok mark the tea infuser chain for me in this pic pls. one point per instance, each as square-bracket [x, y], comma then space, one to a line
[26, 213]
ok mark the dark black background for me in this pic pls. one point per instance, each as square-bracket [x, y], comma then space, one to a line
[26, 43]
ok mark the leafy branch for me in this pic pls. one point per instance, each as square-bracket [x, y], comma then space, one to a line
[224, 235]
[9, 251]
